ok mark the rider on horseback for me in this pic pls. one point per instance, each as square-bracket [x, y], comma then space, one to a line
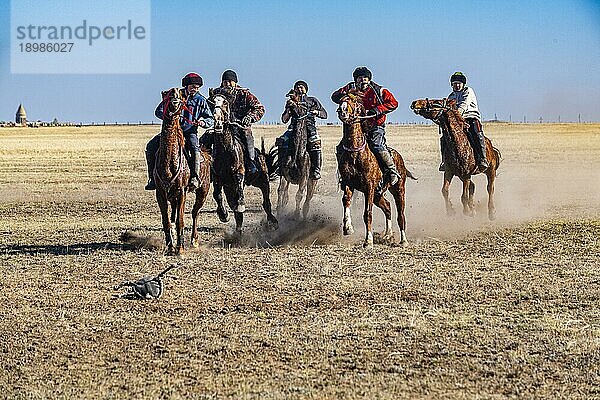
[196, 113]
[466, 102]
[313, 109]
[245, 109]
[378, 102]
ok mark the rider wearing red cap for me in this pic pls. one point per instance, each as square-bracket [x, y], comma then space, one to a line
[196, 114]
[378, 102]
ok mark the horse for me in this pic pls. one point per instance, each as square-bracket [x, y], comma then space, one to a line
[172, 173]
[359, 170]
[228, 166]
[458, 156]
[293, 165]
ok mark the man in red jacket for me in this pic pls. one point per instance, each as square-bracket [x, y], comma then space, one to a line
[378, 101]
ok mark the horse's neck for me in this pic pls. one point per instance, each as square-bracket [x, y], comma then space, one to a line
[225, 139]
[353, 135]
[459, 142]
[171, 137]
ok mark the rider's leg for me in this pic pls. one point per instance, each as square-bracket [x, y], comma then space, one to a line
[442, 165]
[151, 149]
[376, 141]
[191, 141]
[314, 152]
[478, 141]
[282, 143]
[248, 141]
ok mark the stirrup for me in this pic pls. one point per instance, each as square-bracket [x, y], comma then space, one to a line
[151, 185]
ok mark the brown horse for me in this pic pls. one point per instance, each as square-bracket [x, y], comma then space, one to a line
[171, 174]
[458, 156]
[359, 170]
[229, 171]
[294, 163]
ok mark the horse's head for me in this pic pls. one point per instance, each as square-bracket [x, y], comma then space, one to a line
[298, 107]
[432, 109]
[173, 102]
[219, 104]
[351, 108]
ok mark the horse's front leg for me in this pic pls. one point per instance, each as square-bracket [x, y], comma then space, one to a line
[201, 194]
[179, 223]
[467, 197]
[311, 185]
[368, 219]
[491, 177]
[265, 188]
[218, 196]
[282, 195]
[161, 198]
[445, 192]
[347, 202]
[300, 195]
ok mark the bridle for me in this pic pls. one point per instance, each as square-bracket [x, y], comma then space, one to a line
[226, 121]
[353, 120]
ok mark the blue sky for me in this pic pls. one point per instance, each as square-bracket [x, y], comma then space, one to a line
[533, 58]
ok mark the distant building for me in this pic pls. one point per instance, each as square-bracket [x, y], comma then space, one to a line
[21, 116]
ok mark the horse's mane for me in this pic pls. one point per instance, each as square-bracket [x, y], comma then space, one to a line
[455, 120]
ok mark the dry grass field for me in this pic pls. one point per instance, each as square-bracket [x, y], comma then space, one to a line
[469, 309]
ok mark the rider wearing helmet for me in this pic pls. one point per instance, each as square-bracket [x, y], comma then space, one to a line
[195, 114]
[466, 102]
[378, 102]
[313, 109]
[245, 109]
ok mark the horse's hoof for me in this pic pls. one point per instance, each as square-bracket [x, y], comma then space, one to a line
[403, 243]
[492, 215]
[170, 251]
[241, 208]
[450, 212]
[273, 224]
[195, 243]
[368, 244]
[348, 230]
[223, 215]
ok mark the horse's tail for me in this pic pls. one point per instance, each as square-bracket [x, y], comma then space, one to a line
[410, 175]
[498, 155]
[271, 159]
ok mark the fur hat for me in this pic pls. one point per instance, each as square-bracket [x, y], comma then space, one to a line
[362, 71]
[301, 83]
[458, 77]
[229, 75]
[192, 79]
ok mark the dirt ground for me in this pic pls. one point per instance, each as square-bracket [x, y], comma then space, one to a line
[469, 309]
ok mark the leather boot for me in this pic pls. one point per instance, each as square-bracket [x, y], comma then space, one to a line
[442, 165]
[150, 161]
[250, 152]
[391, 173]
[195, 160]
[315, 164]
[482, 163]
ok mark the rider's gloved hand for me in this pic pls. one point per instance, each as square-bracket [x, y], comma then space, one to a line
[201, 123]
[374, 111]
[247, 120]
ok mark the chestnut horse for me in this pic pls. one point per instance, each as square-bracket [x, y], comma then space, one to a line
[229, 170]
[458, 157]
[171, 174]
[360, 171]
[295, 163]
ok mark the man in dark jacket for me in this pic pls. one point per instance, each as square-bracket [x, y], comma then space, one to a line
[378, 102]
[196, 114]
[313, 109]
[245, 109]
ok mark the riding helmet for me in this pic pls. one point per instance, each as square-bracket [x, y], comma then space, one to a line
[362, 71]
[229, 75]
[301, 83]
[458, 77]
[192, 79]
